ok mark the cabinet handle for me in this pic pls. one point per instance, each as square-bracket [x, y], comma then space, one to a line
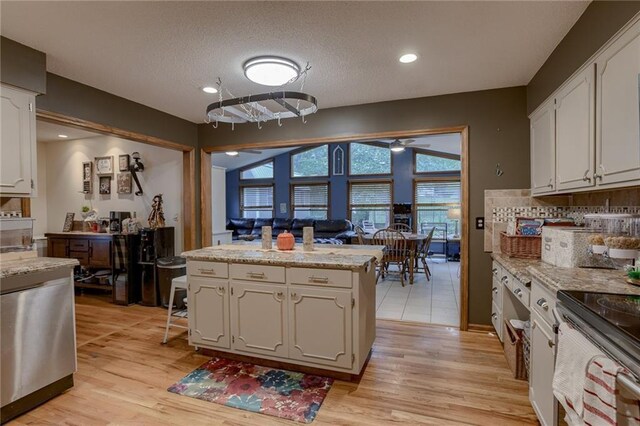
[596, 176]
[518, 292]
[279, 294]
[494, 316]
[323, 280]
[494, 271]
[207, 271]
[221, 289]
[495, 290]
[293, 296]
[256, 275]
[543, 304]
[550, 343]
[550, 184]
[586, 177]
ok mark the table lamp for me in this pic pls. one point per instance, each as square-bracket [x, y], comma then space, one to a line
[455, 215]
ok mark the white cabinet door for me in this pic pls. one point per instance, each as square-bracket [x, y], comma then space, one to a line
[618, 112]
[575, 132]
[208, 302]
[18, 141]
[259, 318]
[543, 149]
[541, 371]
[320, 326]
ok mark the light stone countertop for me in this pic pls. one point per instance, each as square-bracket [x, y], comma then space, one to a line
[556, 278]
[352, 257]
[10, 268]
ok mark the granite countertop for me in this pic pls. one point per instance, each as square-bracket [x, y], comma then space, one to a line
[79, 233]
[332, 256]
[556, 278]
[10, 268]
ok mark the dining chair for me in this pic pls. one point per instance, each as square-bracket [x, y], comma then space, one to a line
[402, 227]
[360, 234]
[396, 252]
[423, 253]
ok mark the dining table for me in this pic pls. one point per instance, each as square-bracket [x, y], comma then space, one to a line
[414, 241]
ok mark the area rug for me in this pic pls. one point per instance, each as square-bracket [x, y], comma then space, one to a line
[279, 393]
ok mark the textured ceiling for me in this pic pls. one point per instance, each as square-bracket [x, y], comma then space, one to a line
[161, 53]
[48, 132]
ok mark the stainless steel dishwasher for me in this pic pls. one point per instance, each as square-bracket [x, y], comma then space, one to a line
[37, 339]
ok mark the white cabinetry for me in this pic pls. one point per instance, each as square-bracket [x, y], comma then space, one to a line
[543, 154]
[575, 138]
[208, 302]
[618, 115]
[18, 142]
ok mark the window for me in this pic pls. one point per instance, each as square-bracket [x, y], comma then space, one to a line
[370, 201]
[433, 199]
[368, 159]
[311, 162]
[430, 161]
[310, 201]
[260, 171]
[256, 201]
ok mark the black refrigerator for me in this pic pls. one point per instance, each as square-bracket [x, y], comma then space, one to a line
[154, 244]
[126, 276]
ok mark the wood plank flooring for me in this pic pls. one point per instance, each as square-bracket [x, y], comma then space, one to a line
[417, 375]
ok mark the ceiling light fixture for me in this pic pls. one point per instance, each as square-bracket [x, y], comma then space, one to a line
[63, 136]
[209, 89]
[271, 70]
[396, 146]
[232, 153]
[408, 58]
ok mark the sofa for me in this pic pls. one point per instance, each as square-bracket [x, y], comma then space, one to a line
[340, 229]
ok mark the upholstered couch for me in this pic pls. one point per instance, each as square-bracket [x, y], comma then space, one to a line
[340, 229]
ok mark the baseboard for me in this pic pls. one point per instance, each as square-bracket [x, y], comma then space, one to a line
[480, 328]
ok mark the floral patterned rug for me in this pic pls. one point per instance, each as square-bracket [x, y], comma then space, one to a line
[279, 393]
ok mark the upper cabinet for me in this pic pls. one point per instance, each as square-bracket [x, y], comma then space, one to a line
[543, 154]
[18, 142]
[618, 114]
[594, 123]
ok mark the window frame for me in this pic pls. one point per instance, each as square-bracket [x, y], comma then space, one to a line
[377, 144]
[431, 153]
[350, 184]
[241, 197]
[305, 149]
[414, 204]
[254, 165]
[292, 185]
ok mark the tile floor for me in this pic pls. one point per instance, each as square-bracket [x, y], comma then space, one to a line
[436, 301]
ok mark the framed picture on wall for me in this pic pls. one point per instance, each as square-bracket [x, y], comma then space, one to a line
[87, 177]
[105, 185]
[124, 183]
[104, 165]
[123, 162]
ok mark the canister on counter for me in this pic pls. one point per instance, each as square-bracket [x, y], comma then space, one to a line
[267, 239]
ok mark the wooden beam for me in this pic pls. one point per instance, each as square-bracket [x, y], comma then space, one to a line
[464, 241]
[205, 197]
[189, 199]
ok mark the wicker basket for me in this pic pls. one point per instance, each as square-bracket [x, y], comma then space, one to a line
[514, 351]
[522, 246]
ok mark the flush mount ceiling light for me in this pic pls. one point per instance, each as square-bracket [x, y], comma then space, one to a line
[396, 146]
[209, 89]
[271, 70]
[63, 136]
[232, 153]
[408, 58]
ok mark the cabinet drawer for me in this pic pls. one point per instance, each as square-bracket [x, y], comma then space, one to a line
[496, 292]
[207, 269]
[496, 320]
[543, 302]
[519, 290]
[78, 245]
[271, 274]
[83, 257]
[320, 277]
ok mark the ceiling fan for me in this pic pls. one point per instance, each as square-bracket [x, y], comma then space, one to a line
[397, 145]
[244, 151]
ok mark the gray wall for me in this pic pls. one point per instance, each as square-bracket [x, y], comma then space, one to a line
[22, 66]
[599, 22]
[498, 133]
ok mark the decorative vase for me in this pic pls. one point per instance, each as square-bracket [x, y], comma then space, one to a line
[286, 241]
[307, 238]
[267, 238]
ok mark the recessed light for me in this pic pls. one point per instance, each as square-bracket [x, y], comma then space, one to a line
[209, 89]
[63, 136]
[232, 153]
[408, 58]
[271, 70]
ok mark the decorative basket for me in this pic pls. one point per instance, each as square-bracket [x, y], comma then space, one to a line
[514, 351]
[521, 246]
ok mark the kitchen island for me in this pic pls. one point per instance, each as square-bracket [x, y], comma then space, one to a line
[314, 309]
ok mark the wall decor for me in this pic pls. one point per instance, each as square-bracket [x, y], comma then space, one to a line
[124, 183]
[105, 185]
[68, 222]
[104, 165]
[87, 177]
[338, 161]
[123, 162]
[156, 217]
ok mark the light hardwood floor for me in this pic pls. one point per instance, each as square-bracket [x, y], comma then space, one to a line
[417, 375]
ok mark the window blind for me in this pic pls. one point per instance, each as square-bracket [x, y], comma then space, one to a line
[371, 194]
[441, 193]
[311, 196]
[257, 197]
